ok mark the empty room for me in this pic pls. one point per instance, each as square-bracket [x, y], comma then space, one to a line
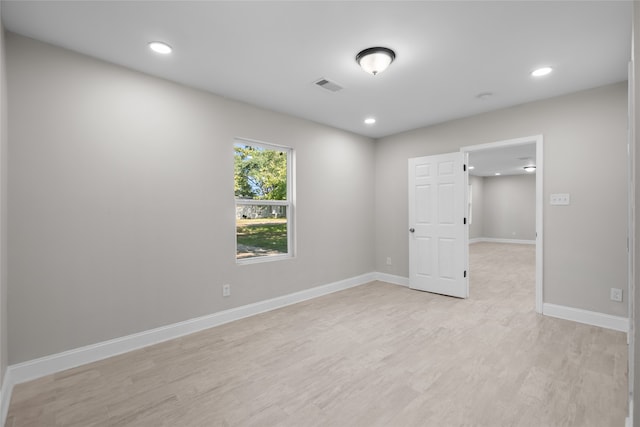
[318, 213]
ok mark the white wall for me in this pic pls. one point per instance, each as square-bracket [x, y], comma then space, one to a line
[584, 243]
[476, 228]
[634, 122]
[509, 207]
[3, 209]
[121, 202]
[503, 207]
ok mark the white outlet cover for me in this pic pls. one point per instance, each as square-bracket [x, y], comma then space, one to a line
[616, 294]
[560, 199]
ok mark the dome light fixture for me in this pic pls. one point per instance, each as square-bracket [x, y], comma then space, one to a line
[530, 168]
[160, 47]
[375, 60]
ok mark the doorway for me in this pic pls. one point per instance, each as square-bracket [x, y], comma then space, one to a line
[537, 141]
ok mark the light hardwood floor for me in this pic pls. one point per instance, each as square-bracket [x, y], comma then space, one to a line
[375, 355]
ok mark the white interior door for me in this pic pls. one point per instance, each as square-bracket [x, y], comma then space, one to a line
[438, 249]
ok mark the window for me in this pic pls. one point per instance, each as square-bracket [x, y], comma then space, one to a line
[264, 208]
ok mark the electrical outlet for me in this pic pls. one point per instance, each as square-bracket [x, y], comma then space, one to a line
[226, 290]
[388, 260]
[616, 294]
[560, 199]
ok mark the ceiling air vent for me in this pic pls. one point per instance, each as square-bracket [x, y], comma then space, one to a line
[328, 85]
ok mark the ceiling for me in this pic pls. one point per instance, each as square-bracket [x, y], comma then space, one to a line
[509, 160]
[270, 53]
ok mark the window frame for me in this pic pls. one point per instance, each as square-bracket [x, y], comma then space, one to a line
[289, 203]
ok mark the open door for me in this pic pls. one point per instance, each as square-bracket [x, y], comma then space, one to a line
[438, 250]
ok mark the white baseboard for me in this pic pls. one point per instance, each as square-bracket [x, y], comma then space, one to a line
[628, 422]
[5, 396]
[493, 240]
[47, 365]
[390, 278]
[588, 317]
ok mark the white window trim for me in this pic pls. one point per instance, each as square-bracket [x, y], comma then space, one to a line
[289, 204]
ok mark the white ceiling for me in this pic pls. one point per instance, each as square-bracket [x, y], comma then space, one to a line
[509, 160]
[269, 53]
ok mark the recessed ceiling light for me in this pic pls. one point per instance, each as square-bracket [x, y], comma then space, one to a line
[369, 120]
[541, 71]
[471, 167]
[160, 47]
[498, 174]
[484, 96]
[530, 168]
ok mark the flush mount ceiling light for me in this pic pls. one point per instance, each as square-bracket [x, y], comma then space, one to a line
[498, 174]
[160, 47]
[541, 71]
[530, 168]
[369, 120]
[375, 59]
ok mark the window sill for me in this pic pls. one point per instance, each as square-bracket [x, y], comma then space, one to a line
[261, 259]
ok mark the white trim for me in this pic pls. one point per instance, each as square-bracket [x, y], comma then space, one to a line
[5, 396]
[494, 240]
[631, 227]
[394, 280]
[538, 139]
[539, 222]
[262, 144]
[260, 202]
[47, 365]
[587, 317]
[259, 259]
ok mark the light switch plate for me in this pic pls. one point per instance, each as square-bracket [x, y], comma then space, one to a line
[560, 199]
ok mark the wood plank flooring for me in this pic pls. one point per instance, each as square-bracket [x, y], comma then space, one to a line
[375, 355]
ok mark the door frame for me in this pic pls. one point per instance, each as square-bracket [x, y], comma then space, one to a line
[538, 140]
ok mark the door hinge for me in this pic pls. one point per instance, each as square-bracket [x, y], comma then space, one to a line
[465, 273]
[464, 168]
[464, 221]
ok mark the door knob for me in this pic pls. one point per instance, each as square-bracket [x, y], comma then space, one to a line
[412, 229]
